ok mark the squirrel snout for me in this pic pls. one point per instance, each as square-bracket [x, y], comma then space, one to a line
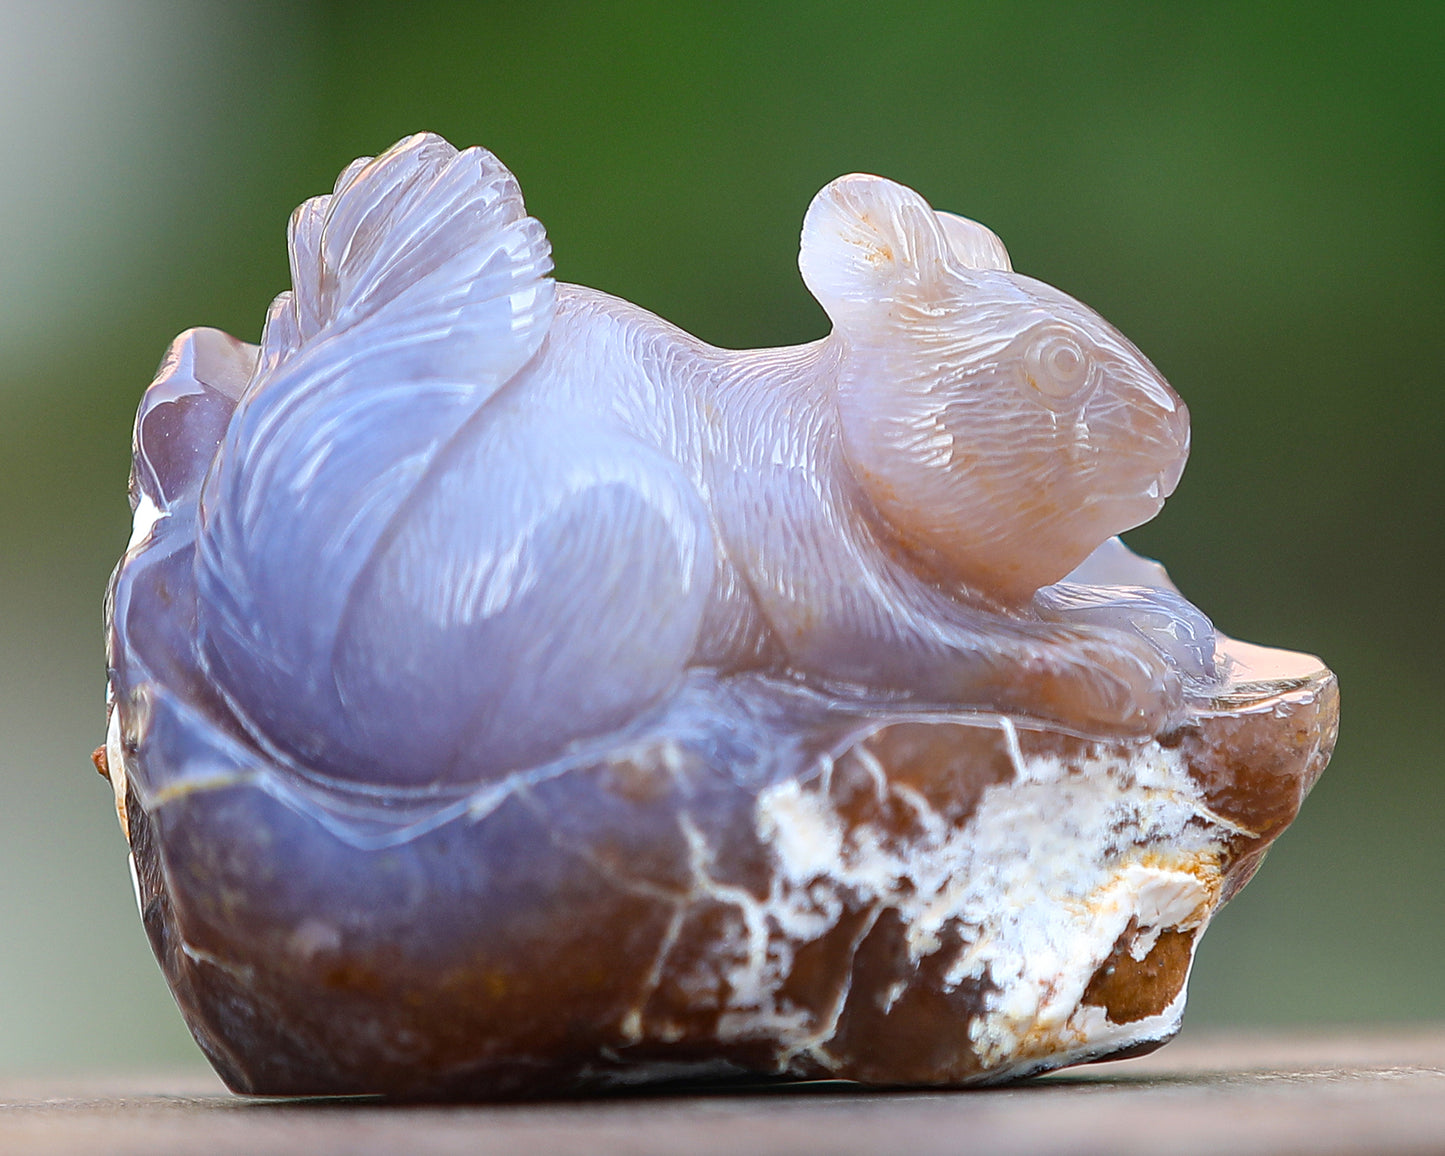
[1179, 426]
[1156, 436]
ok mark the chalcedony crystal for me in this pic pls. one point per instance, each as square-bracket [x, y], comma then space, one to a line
[511, 693]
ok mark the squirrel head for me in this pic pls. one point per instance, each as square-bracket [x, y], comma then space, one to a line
[1001, 427]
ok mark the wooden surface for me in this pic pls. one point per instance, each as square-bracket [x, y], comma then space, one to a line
[1364, 1092]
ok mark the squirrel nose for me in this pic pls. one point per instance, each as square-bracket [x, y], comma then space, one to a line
[1178, 427]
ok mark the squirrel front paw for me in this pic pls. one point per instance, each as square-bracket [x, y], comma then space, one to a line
[1097, 681]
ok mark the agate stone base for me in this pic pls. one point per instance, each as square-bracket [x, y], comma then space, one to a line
[891, 898]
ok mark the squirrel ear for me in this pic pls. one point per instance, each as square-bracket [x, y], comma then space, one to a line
[974, 245]
[867, 242]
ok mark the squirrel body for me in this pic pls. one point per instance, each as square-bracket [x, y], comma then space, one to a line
[464, 516]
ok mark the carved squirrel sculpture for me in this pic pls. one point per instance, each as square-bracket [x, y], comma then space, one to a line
[463, 516]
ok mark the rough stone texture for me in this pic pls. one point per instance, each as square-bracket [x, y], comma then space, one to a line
[893, 900]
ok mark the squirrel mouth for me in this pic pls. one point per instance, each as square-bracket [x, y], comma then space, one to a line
[1169, 476]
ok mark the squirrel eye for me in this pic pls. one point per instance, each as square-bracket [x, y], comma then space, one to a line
[1066, 361]
[1057, 365]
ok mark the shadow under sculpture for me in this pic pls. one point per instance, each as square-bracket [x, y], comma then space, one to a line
[511, 694]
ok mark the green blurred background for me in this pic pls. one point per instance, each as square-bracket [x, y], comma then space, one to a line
[1254, 193]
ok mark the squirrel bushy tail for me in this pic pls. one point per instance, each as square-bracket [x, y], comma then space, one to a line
[419, 287]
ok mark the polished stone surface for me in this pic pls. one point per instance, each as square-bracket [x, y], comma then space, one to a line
[511, 693]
